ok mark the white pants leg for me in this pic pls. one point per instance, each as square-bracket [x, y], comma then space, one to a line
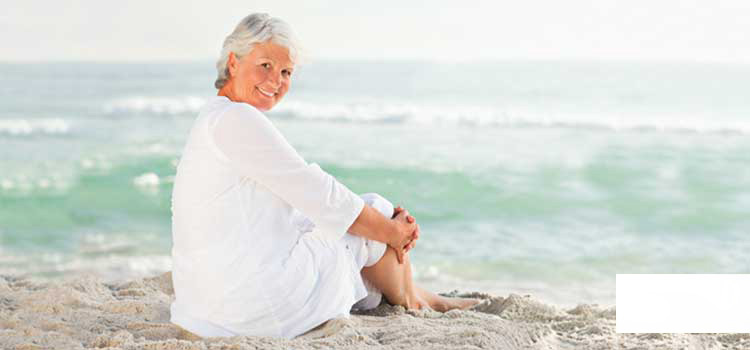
[371, 251]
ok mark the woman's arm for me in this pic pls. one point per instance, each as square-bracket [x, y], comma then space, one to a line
[398, 233]
[250, 144]
[247, 141]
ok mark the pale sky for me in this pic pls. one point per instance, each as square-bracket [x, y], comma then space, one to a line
[101, 30]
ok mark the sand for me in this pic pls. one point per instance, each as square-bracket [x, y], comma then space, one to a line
[86, 313]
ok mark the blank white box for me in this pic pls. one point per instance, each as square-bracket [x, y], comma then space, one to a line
[683, 303]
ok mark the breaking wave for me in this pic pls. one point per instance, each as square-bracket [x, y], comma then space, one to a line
[24, 127]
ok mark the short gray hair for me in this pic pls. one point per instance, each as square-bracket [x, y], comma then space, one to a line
[254, 29]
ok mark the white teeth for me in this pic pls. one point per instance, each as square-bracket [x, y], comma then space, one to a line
[269, 94]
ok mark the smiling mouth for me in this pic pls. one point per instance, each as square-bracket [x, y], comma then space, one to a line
[269, 94]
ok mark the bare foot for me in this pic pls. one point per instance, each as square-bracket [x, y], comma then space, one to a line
[422, 304]
[466, 303]
[416, 302]
[444, 304]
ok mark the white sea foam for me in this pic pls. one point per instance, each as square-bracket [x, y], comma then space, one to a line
[113, 255]
[155, 105]
[425, 113]
[23, 184]
[110, 267]
[6, 184]
[484, 116]
[147, 180]
[23, 127]
[97, 162]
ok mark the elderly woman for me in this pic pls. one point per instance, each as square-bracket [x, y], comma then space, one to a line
[263, 242]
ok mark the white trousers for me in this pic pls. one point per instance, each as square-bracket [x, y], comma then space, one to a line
[368, 252]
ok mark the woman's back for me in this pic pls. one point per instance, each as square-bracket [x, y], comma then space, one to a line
[242, 261]
[213, 204]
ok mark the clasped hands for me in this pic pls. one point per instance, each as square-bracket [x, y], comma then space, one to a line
[407, 233]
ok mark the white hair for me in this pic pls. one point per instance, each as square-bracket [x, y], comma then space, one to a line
[255, 29]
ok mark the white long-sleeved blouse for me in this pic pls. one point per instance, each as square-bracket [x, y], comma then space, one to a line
[245, 260]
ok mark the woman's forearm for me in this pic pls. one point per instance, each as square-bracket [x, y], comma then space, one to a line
[371, 224]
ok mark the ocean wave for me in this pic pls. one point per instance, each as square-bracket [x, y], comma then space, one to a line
[481, 116]
[150, 182]
[28, 185]
[25, 127]
[104, 253]
[110, 267]
[155, 105]
[435, 114]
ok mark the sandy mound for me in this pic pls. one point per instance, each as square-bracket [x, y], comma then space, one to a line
[85, 313]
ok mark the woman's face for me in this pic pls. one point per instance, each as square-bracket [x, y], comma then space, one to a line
[260, 78]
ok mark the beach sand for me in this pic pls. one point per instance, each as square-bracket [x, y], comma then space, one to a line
[84, 312]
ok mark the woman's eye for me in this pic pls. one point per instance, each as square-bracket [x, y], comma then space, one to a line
[266, 65]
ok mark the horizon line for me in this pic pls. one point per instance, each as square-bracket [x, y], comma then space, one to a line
[395, 60]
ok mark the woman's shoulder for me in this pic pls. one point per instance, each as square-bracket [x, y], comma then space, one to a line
[225, 104]
[223, 109]
[229, 107]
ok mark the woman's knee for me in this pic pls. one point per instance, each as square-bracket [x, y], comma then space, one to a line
[378, 202]
[389, 258]
[375, 251]
[390, 277]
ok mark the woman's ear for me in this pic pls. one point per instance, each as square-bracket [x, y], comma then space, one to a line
[232, 64]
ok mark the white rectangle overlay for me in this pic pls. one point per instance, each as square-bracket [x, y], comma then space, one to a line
[683, 303]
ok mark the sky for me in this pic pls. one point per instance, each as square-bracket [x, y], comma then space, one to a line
[180, 30]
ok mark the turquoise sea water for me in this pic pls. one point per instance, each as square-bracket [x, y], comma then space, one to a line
[545, 178]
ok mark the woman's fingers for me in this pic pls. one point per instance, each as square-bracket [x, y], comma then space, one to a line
[409, 246]
[396, 211]
[399, 255]
[404, 213]
[402, 242]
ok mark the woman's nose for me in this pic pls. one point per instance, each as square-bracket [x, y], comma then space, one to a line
[275, 79]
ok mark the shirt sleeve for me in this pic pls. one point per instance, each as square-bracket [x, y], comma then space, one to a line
[255, 148]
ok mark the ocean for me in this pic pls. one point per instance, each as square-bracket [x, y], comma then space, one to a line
[528, 177]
